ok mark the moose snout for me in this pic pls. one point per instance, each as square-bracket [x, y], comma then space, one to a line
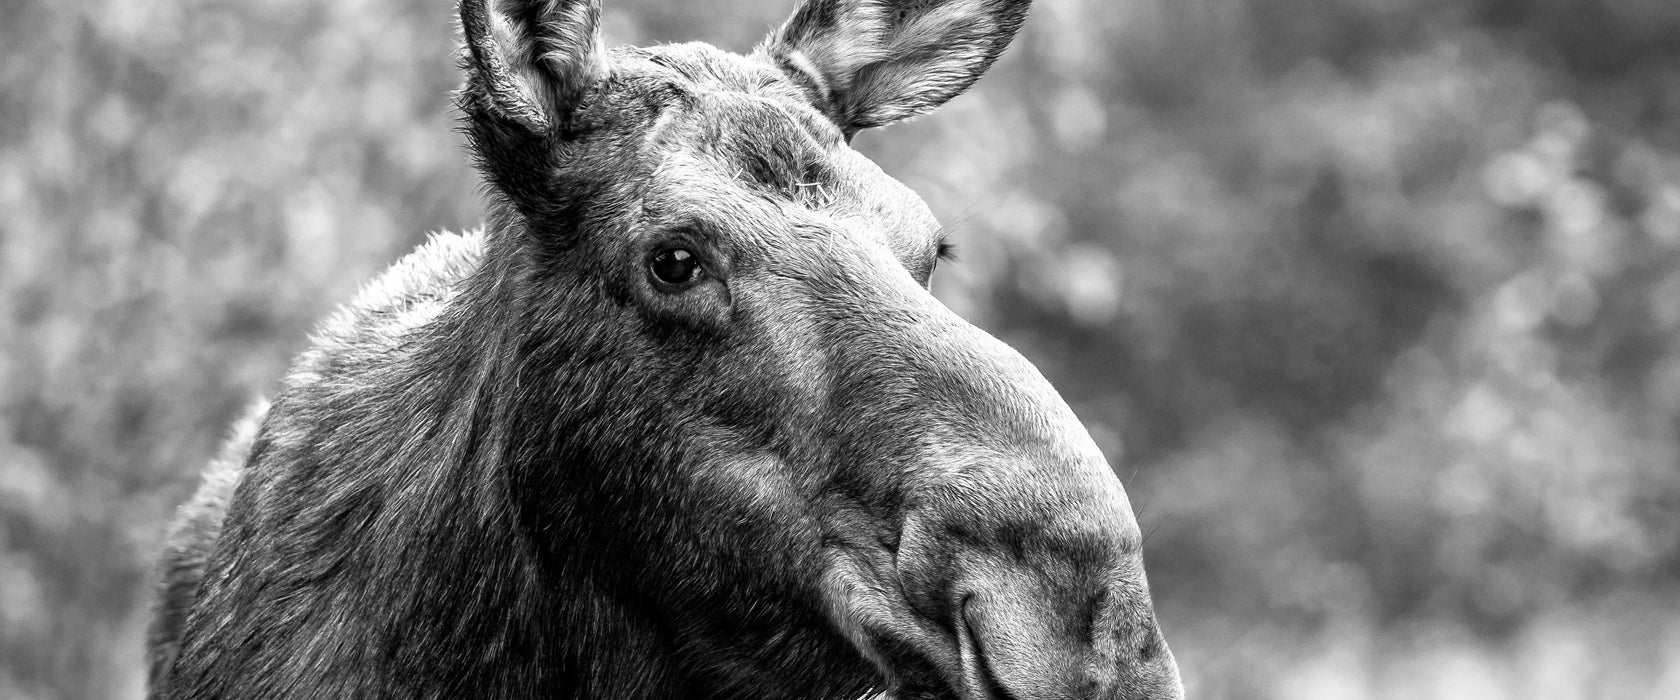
[1021, 642]
[1047, 603]
[1018, 561]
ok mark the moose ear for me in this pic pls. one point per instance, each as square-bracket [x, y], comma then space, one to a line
[530, 61]
[874, 62]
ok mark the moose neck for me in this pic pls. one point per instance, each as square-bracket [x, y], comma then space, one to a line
[483, 572]
[379, 502]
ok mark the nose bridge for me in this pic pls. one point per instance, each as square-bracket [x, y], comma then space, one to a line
[985, 429]
[1011, 438]
[989, 453]
[907, 346]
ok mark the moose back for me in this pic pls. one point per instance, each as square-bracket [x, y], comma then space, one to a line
[681, 421]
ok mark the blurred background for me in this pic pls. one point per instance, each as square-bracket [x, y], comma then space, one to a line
[1375, 304]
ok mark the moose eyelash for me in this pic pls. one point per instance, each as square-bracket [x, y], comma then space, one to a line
[946, 251]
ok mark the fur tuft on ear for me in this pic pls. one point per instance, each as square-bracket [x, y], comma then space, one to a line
[529, 61]
[873, 62]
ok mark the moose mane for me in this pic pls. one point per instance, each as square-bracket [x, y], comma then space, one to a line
[412, 505]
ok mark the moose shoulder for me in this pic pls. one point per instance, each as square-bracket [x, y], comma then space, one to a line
[682, 421]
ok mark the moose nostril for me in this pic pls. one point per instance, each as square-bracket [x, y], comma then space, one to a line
[982, 681]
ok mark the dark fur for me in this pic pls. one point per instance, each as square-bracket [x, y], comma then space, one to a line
[515, 468]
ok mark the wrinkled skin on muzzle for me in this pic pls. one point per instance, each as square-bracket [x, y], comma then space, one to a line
[1008, 564]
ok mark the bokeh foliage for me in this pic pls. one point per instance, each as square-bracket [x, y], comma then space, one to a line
[1375, 304]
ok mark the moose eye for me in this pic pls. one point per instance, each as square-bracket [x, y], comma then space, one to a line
[674, 267]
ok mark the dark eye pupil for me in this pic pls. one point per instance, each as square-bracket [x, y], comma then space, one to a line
[675, 266]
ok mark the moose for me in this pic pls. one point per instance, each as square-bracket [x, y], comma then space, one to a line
[681, 420]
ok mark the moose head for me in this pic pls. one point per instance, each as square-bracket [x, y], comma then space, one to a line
[771, 436]
[683, 421]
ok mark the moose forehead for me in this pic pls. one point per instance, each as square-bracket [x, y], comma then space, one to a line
[730, 136]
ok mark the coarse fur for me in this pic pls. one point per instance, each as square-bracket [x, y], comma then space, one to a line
[524, 463]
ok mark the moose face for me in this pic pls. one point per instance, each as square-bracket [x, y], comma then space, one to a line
[770, 452]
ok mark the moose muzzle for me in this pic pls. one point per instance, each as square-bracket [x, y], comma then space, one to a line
[1050, 607]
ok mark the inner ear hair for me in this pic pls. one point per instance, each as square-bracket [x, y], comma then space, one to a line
[868, 63]
[530, 61]
[799, 67]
